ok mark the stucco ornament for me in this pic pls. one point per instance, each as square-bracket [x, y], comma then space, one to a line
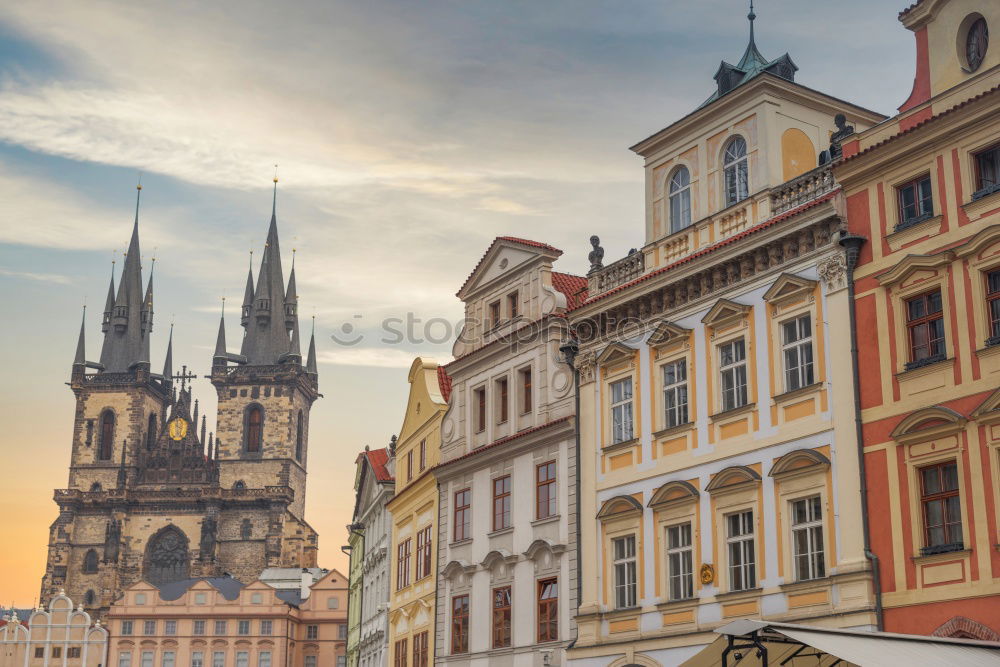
[833, 272]
[706, 573]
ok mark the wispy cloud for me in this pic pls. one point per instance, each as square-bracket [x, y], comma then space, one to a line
[377, 357]
[40, 277]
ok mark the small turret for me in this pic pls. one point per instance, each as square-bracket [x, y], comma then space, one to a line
[168, 362]
[80, 359]
[219, 358]
[247, 310]
[311, 359]
[110, 303]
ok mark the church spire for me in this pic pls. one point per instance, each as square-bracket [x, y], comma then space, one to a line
[168, 362]
[247, 311]
[752, 58]
[110, 303]
[311, 359]
[81, 348]
[220, 340]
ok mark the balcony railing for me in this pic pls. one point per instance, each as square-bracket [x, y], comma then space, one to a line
[618, 273]
[802, 189]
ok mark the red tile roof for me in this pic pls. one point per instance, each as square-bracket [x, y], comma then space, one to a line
[574, 287]
[715, 246]
[444, 383]
[509, 239]
[504, 441]
[377, 458]
[909, 9]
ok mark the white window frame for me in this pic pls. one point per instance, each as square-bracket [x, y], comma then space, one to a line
[741, 552]
[170, 627]
[243, 628]
[680, 216]
[798, 373]
[680, 562]
[625, 571]
[147, 658]
[812, 528]
[622, 413]
[218, 659]
[677, 392]
[197, 659]
[264, 659]
[125, 659]
[169, 659]
[243, 659]
[739, 166]
[736, 370]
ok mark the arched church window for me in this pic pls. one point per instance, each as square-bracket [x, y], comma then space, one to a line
[96, 486]
[298, 438]
[734, 165]
[166, 557]
[89, 599]
[107, 439]
[255, 428]
[151, 431]
[90, 562]
[680, 199]
[239, 485]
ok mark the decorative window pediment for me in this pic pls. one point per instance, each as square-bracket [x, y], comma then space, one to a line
[913, 263]
[928, 424]
[789, 287]
[723, 312]
[980, 242]
[732, 478]
[615, 352]
[667, 333]
[498, 557]
[455, 568]
[799, 460]
[619, 506]
[542, 545]
[674, 492]
[989, 410]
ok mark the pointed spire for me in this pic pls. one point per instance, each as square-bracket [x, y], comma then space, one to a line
[311, 359]
[168, 362]
[81, 347]
[219, 358]
[203, 426]
[247, 311]
[752, 58]
[194, 417]
[110, 303]
[211, 444]
[147, 301]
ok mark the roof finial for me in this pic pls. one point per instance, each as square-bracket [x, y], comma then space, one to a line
[138, 193]
[223, 306]
[751, 16]
[274, 201]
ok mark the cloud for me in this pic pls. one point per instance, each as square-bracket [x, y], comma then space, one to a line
[380, 357]
[40, 277]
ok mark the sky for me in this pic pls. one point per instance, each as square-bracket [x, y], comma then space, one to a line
[407, 136]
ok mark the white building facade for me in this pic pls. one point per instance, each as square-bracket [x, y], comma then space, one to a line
[374, 521]
[57, 636]
[507, 503]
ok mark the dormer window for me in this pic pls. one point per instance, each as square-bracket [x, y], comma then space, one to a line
[734, 167]
[680, 199]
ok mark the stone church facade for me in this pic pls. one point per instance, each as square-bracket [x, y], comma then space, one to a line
[149, 496]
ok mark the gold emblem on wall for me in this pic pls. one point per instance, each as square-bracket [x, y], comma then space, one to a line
[178, 428]
[707, 573]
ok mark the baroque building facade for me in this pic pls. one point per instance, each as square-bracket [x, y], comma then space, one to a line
[506, 481]
[923, 206]
[369, 540]
[58, 635]
[150, 496]
[719, 459]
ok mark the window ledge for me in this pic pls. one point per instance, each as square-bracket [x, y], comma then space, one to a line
[621, 445]
[924, 364]
[502, 531]
[958, 552]
[460, 543]
[806, 584]
[736, 595]
[624, 612]
[733, 412]
[921, 220]
[671, 430]
[983, 193]
[796, 393]
[549, 519]
[982, 201]
[679, 605]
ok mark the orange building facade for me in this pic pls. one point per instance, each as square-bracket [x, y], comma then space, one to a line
[923, 209]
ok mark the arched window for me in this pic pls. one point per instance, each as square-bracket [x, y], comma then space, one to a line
[166, 557]
[107, 439]
[89, 598]
[734, 165]
[298, 438]
[151, 431]
[246, 529]
[239, 485]
[90, 562]
[96, 486]
[680, 199]
[255, 428]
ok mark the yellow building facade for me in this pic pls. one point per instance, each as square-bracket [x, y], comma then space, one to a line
[719, 459]
[413, 554]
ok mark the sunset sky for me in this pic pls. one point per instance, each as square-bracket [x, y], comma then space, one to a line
[408, 134]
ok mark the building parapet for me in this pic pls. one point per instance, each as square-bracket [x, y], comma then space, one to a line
[617, 273]
[802, 189]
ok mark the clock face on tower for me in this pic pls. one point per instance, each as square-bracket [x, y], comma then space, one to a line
[178, 428]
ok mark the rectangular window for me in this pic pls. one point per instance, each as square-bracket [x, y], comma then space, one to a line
[621, 411]
[126, 628]
[512, 304]
[807, 539]
[525, 375]
[942, 509]
[797, 350]
[680, 561]
[242, 659]
[40, 652]
[420, 650]
[987, 172]
[170, 627]
[197, 659]
[169, 659]
[501, 617]
[243, 628]
[423, 553]
[310, 661]
[149, 627]
[266, 628]
[503, 401]
[915, 203]
[925, 326]
[218, 659]
[460, 624]
[402, 565]
[220, 629]
[624, 553]
[409, 466]
[423, 455]
[463, 514]
[73, 652]
[264, 659]
[124, 659]
[479, 396]
[342, 631]
[341, 661]
[400, 653]
[740, 545]
[675, 393]
[147, 659]
[199, 628]
[494, 315]
[312, 632]
[501, 502]
[733, 369]
[993, 305]
[57, 652]
[548, 610]
[546, 502]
